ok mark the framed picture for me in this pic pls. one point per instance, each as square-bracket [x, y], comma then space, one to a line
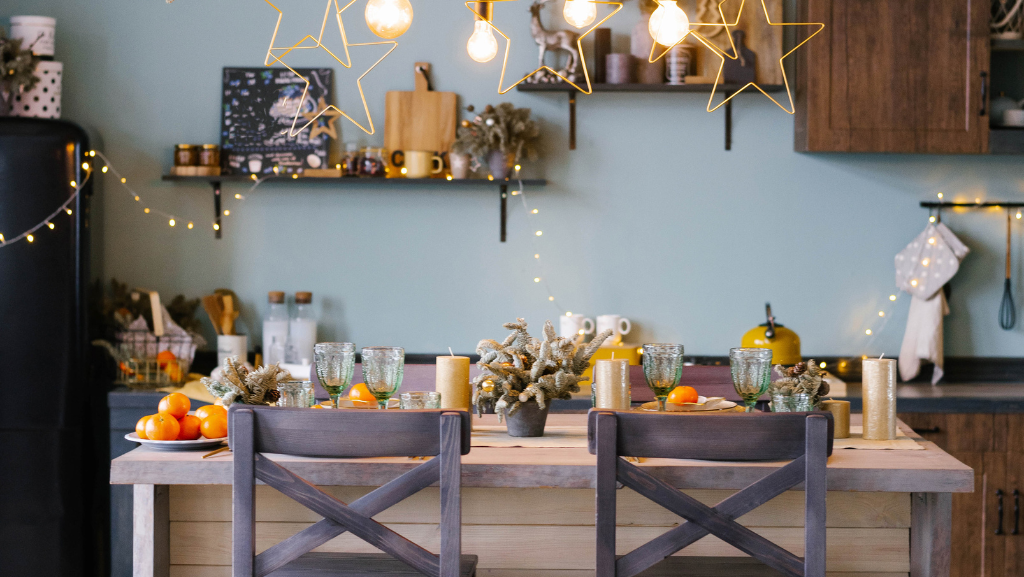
[258, 108]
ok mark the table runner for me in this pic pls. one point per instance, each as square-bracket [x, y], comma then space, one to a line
[857, 441]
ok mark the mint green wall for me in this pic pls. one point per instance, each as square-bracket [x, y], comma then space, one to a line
[649, 218]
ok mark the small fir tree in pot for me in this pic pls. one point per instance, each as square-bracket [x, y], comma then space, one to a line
[17, 68]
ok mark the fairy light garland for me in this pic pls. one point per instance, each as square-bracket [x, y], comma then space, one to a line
[539, 276]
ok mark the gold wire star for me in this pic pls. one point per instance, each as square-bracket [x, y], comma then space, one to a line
[700, 37]
[331, 115]
[579, 48]
[317, 43]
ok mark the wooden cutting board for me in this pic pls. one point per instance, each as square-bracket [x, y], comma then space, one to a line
[421, 119]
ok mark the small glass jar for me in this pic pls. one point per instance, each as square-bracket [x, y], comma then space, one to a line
[801, 403]
[186, 155]
[350, 163]
[372, 163]
[310, 392]
[780, 403]
[293, 394]
[209, 155]
[421, 400]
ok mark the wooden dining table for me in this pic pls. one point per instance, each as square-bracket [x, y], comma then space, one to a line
[529, 511]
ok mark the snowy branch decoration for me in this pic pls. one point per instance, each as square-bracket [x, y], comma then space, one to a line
[238, 385]
[522, 368]
[802, 378]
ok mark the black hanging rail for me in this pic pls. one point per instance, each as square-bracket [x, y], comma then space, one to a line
[932, 204]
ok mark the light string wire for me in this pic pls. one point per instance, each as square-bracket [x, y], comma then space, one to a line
[537, 234]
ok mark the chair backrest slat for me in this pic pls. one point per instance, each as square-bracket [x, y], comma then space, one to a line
[718, 437]
[361, 433]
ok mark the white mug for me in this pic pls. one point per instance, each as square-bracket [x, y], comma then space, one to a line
[618, 325]
[232, 346]
[571, 327]
[1013, 117]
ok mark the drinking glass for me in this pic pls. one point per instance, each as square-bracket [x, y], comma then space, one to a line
[421, 400]
[663, 367]
[751, 373]
[334, 365]
[383, 368]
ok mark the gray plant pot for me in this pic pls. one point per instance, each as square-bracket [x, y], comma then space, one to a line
[499, 164]
[528, 421]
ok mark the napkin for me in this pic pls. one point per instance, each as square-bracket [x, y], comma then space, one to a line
[922, 268]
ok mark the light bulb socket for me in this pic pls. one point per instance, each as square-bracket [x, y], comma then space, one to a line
[484, 9]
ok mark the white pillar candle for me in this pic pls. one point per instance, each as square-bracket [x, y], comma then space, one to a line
[879, 395]
[452, 381]
[611, 382]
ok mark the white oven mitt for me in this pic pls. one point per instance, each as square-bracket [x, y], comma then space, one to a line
[922, 268]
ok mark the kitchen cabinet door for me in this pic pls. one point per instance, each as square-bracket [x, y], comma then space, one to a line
[894, 76]
[1014, 540]
[998, 510]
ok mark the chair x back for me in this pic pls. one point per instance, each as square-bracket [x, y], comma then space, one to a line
[344, 433]
[805, 439]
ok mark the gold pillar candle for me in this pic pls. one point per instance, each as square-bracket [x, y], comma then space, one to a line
[611, 382]
[840, 416]
[452, 381]
[879, 396]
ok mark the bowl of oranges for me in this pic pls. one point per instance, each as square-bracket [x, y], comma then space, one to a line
[176, 427]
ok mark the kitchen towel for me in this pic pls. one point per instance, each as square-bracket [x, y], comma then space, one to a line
[922, 268]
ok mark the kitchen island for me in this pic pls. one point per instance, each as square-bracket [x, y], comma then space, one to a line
[530, 511]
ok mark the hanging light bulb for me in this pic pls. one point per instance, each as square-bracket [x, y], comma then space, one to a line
[482, 46]
[579, 13]
[388, 18]
[668, 24]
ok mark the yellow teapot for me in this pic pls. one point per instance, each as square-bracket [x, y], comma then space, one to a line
[784, 343]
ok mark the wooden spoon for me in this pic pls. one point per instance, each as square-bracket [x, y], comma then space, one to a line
[212, 305]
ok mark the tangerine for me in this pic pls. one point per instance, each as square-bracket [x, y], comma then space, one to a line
[681, 395]
[360, 395]
[189, 428]
[214, 426]
[176, 404]
[164, 358]
[140, 427]
[162, 427]
[208, 410]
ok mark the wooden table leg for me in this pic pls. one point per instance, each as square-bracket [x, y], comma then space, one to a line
[931, 523]
[151, 546]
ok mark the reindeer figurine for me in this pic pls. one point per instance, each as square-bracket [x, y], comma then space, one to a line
[553, 40]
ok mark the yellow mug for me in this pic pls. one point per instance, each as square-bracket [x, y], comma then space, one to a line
[417, 163]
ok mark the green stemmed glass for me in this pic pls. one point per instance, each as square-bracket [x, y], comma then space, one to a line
[751, 373]
[334, 365]
[383, 368]
[663, 367]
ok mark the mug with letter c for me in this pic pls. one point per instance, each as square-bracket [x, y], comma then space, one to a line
[417, 163]
[618, 325]
[574, 326]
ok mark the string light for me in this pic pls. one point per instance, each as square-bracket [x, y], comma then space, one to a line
[1018, 214]
[124, 180]
[868, 332]
[190, 226]
[449, 177]
[536, 256]
[892, 297]
[50, 224]
[540, 233]
[568, 314]
[238, 196]
[940, 196]
[68, 210]
[136, 198]
[103, 170]
[822, 364]
[931, 218]
[551, 298]
[74, 184]
[536, 279]
[216, 226]
[535, 211]
[2, 239]
[171, 222]
[881, 313]
[31, 238]
[85, 166]
[227, 212]
[145, 210]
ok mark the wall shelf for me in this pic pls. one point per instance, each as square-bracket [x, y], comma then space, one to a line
[727, 89]
[216, 182]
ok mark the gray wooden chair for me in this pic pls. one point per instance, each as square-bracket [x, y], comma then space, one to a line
[805, 439]
[348, 433]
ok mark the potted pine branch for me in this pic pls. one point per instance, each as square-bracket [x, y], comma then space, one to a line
[17, 71]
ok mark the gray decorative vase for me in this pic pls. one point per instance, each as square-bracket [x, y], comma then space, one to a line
[528, 421]
[499, 163]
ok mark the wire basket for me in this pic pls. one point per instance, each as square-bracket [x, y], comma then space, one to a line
[146, 361]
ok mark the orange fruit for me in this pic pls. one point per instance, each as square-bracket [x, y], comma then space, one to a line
[680, 395]
[208, 410]
[316, 407]
[176, 404]
[162, 427]
[189, 428]
[173, 371]
[361, 396]
[140, 427]
[214, 426]
[164, 358]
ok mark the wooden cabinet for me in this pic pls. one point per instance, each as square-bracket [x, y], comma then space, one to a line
[984, 541]
[894, 76]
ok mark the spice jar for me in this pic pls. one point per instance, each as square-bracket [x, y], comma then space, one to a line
[209, 155]
[372, 164]
[186, 155]
[350, 164]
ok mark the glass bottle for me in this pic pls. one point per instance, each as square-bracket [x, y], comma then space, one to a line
[275, 329]
[372, 163]
[302, 330]
[350, 164]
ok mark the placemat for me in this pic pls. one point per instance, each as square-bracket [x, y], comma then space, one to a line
[555, 437]
[857, 441]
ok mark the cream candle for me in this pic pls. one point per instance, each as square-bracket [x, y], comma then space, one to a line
[879, 395]
[840, 416]
[611, 384]
[452, 381]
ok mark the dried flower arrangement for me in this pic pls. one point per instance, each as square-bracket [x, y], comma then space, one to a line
[239, 385]
[802, 378]
[17, 70]
[523, 368]
[503, 127]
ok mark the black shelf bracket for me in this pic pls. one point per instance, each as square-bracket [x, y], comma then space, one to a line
[728, 125]
[218, 225]
[503, 189]
[572, 121]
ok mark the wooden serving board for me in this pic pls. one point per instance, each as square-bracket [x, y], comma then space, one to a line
[421, 119]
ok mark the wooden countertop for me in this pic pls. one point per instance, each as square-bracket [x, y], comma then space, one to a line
[929, 471]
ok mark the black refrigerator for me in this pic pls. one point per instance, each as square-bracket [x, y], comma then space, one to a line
[50, 472]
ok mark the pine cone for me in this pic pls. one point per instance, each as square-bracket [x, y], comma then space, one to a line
[797, 369]
[272, 396]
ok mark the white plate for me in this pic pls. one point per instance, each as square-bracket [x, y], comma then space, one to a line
[702, 404]
[347, 404]
[200, 443]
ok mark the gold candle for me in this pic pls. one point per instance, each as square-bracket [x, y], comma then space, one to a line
[611, 382]
[879, 396]
[452, 381]
[840, 416]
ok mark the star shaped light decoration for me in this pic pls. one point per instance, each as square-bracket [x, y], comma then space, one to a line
[700, 37]
[319, 128]
[579, 47]
[317, 42]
